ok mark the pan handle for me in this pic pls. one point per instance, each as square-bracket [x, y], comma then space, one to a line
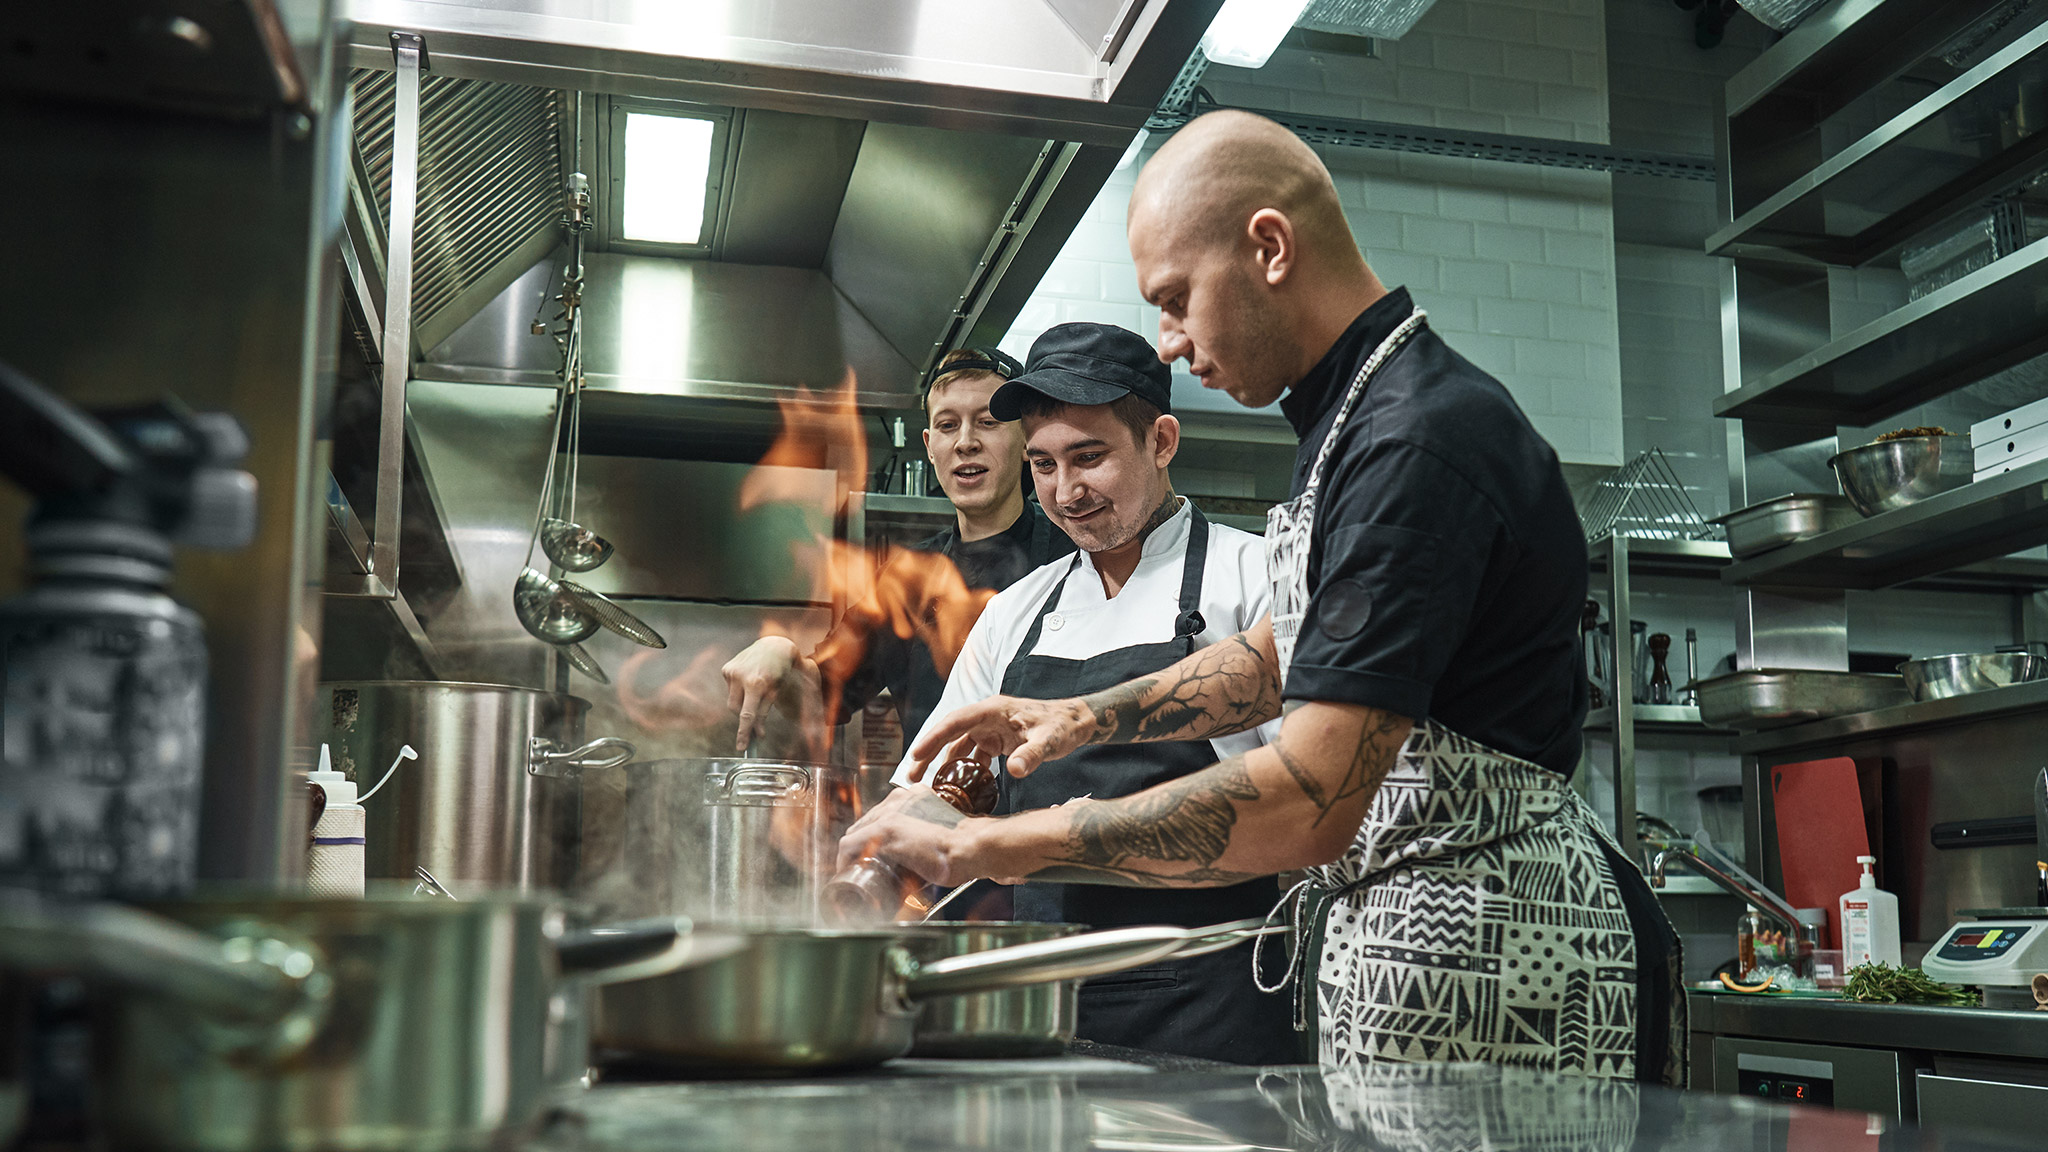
[638, 949]
[267, 992]
[544, 759]
[1044, 961]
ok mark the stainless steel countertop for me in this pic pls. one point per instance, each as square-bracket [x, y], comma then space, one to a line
[1977, 1031]
[1058, 1105]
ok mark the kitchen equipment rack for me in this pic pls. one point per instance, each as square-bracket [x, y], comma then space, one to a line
[1826, 172]
[1622, 558]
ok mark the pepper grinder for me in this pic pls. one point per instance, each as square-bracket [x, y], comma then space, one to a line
[1692, 668]
[1589, 638]
[873, 888]
[1660, 675]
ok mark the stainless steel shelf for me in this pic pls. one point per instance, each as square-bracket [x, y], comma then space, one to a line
[1676, 718]
[1954, 336]
[2016, 700]
[1980, 521]
[1648, 557]
[1841, 52]
[1937, 158]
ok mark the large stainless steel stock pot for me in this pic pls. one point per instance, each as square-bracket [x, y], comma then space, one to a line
[492, 803]
[292, 1025]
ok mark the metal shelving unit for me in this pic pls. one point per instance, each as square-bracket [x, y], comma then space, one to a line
[1873, 122]
[1938, 343]
[1922, 716]
[1991, 518]
[1930, 161]
[1622, 558]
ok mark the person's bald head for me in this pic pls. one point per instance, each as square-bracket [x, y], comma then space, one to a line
[1240, 239]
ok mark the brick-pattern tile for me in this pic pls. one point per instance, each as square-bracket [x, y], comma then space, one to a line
[1514, 263]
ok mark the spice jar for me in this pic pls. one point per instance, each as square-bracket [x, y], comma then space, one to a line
[873, 889]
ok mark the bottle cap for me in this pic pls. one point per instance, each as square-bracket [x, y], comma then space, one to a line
[339, 788]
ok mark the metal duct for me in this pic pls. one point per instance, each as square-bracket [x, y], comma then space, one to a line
[490, 186]
[1386, 19]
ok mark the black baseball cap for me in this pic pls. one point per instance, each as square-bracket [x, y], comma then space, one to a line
[1087, 364]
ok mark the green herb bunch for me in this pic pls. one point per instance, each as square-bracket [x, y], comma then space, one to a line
[1884, 984]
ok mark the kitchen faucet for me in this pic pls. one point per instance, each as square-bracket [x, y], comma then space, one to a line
[1739, 884]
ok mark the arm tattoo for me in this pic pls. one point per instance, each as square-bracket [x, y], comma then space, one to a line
[1223, 689]
[1379, 741]
[1186, 821]
[1303, 777]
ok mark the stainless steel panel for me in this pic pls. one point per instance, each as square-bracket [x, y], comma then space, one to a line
[490, 185]
[687, 329]
[1978, 1031]
[1953, 1102]
[920, 208]
[681, 533]
[1868, 1080]
[1004, 65]
[787, 182]
[191, 256]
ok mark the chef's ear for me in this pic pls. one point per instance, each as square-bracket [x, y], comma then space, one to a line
[1165, 440]
[1273, 243]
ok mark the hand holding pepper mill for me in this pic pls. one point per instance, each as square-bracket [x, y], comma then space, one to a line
[874, 888]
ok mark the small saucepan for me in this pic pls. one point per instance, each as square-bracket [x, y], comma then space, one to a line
[813, 999]
[294, 1025]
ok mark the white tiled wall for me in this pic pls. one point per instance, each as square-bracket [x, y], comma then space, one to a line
[1514, 263]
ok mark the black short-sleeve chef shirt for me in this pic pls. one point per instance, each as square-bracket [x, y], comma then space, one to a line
[1447, 566]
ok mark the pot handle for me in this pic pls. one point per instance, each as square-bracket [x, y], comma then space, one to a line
[544, 759]
[270, 991]
[1044, 961]
[639, 949]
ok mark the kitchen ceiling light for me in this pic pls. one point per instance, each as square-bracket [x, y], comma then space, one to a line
[668, 173]
[1245, 32]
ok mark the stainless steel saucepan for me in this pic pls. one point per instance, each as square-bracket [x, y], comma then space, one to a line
[294, 1025]
[1033, 1020]
[797, 1000]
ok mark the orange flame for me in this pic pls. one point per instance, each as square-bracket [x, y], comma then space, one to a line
[910, 594]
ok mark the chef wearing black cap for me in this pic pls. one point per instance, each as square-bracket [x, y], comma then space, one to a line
[1153, 582]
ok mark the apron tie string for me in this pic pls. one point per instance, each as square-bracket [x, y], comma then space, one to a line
[1301, 908]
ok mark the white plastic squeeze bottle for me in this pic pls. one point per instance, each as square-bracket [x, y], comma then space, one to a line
[334, 864]
[1870, 922]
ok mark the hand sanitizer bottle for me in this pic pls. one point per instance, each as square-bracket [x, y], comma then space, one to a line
[1870, 922]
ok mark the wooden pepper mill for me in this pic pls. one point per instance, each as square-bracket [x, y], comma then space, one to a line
[873, 888]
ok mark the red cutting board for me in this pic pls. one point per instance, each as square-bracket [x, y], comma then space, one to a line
[1820, 833]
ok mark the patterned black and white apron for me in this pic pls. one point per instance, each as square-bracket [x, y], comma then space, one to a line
[1477, 914]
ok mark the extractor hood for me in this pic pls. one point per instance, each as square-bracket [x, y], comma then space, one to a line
[896, 177]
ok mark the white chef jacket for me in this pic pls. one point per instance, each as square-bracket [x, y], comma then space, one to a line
[1085, 623]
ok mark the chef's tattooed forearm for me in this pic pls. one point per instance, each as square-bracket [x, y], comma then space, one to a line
[1187, 821]
[1304, 777]
[1223, 689]
[1380, 737]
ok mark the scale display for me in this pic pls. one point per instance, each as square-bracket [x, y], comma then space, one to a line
[1990, 952]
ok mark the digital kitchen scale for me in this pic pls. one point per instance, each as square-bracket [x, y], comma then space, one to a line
[1993, 948]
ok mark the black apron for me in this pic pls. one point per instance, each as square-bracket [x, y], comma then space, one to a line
[1209, 1006]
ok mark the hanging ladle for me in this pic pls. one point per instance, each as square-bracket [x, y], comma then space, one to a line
[550, 611]
[567, 543]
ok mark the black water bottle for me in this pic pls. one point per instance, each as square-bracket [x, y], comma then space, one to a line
[102, 673]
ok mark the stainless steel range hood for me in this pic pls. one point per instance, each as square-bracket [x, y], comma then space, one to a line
[900, 175]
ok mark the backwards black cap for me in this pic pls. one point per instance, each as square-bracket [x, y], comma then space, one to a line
[984, 360]
[1088, 364]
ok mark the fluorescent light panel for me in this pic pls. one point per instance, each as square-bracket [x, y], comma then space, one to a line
[1245, 32]
[668, 169]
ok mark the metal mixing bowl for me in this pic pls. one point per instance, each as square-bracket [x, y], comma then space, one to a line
[1881, 477]
[1939, 677]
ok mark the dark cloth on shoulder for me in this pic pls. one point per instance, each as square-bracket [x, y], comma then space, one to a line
[1447, 566]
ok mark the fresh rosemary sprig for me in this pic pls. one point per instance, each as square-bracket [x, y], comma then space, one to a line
[1884, 984]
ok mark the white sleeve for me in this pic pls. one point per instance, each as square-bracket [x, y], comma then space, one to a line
[1254, 599]
[975, 676]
